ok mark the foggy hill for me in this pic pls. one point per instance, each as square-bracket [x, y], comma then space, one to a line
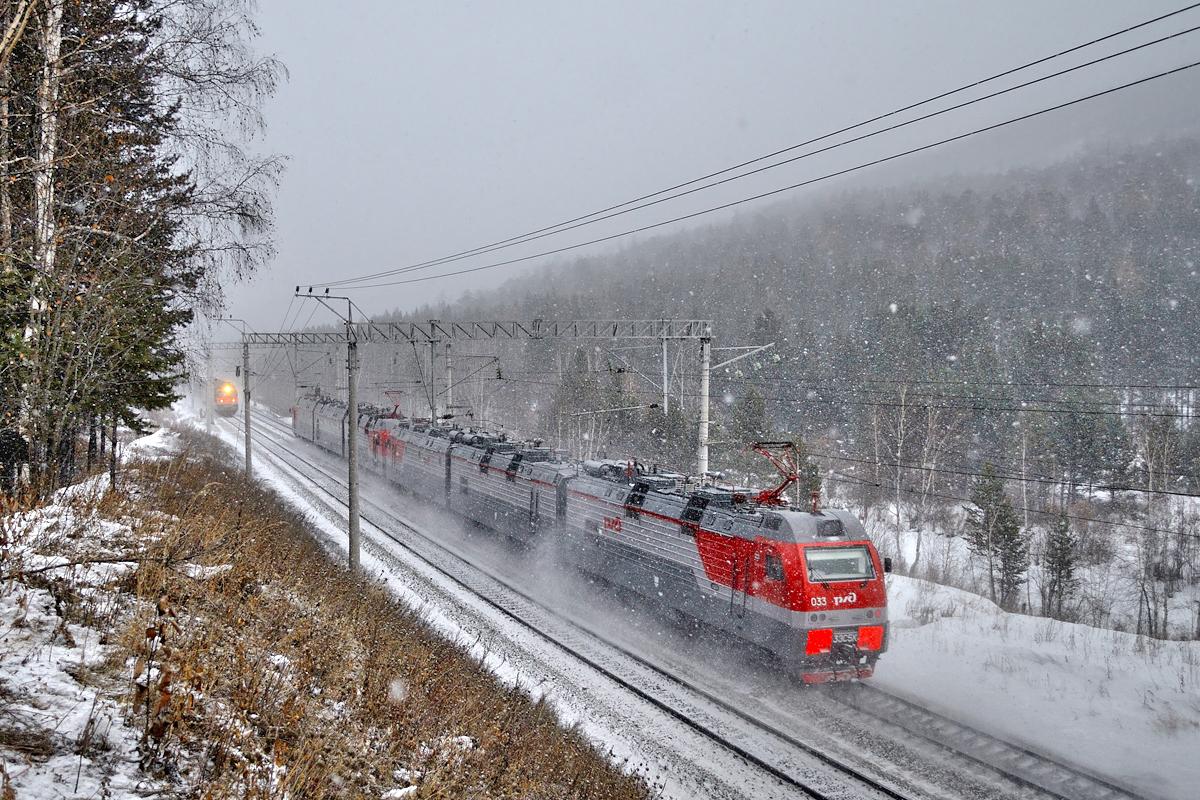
[1104, 246]
[1075, 283]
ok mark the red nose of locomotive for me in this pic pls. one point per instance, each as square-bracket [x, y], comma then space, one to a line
[836, 595]
[845, 603]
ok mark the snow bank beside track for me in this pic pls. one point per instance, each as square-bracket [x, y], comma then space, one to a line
[1115, 703]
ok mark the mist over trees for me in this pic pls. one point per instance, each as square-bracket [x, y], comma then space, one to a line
[967, 303]
[1040, 322]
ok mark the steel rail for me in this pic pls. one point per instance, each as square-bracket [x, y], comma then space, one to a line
[1076, 782]
[724, 705]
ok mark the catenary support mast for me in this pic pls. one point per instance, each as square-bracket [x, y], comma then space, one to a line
[705, 369]
[246, 400]
[352, 442]
[449, 381]
[665, 384]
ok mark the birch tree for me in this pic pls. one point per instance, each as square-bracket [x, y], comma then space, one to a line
[128, 198]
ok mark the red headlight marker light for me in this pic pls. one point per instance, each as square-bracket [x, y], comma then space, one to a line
[870, 637]
[819, 641]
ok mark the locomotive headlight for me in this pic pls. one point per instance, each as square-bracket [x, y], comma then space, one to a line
[870, 637]
[819, 641]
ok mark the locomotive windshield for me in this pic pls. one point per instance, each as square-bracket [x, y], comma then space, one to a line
[838, 564]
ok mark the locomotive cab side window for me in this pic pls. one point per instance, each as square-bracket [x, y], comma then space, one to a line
[774, 567]
[636, 498]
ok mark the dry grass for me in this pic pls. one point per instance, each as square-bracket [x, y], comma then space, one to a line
[280, 673]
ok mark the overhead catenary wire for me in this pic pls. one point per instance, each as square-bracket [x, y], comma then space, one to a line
[560, 226]
[307, 321]
[791, 187]
[470, 375]
[275, 354]
[1026, 403]
[1039, 479]
[1041, 512]
[913, 406]
[973, 382]
[902, 465]
[881, 404]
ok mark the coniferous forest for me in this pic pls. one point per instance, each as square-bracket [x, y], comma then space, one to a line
[931, 339]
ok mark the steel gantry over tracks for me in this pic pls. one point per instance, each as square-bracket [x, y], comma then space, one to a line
[351, 334]
[440, 331]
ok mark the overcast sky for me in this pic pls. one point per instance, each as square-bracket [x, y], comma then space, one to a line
[415, 130]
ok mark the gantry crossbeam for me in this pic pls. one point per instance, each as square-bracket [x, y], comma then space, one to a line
[439, 331]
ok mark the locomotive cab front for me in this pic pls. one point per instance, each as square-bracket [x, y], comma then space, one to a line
[838, 597]
[846, 603]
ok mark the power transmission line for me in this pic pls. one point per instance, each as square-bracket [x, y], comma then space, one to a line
[791, 187]
[800, 157]
[561, 226]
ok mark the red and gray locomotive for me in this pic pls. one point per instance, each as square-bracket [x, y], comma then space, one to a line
[806, 585]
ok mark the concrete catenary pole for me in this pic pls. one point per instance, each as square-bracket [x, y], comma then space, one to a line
[431, 384]
[352, 441]
[665, 385]
[449, 380]
[208, 390]
[246, 400]
[705, 369]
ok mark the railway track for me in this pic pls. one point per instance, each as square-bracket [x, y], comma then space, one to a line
[663, 692]
[693, 706]
[1034, 769]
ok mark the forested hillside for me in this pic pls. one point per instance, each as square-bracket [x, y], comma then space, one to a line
[1037, 325]
[1084, 273]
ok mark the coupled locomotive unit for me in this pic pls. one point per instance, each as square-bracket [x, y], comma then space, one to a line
[225, 399]
[806, 585]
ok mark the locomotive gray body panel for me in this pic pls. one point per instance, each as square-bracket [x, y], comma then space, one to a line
[632, 534]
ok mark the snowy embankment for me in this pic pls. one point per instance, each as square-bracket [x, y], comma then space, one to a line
[62, 733]
[1110, 559]
[185, 634]
[1115, 703]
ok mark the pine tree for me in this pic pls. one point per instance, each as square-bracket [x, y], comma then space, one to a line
[136, 199]
[994, 534]
[1058, 565]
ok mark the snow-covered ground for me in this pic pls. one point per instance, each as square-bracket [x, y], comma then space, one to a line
[1107, 594]
[163, 443]
[62, 733]
[1116, 703]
